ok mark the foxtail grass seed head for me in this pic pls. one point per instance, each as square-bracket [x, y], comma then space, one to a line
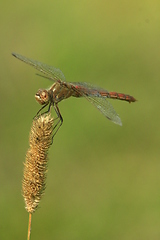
[35, 166]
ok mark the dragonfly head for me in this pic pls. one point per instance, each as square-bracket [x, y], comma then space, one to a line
[42, 96]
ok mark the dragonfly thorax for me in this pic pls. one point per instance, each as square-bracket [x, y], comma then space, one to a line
[42, 96]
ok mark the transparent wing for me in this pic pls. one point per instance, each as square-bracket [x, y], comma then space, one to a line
[51, 72]
[105, 107]
[91, 93]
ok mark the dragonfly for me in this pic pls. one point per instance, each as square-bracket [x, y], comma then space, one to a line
[61, 90]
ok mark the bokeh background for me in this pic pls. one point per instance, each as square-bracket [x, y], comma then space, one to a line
[103, 180]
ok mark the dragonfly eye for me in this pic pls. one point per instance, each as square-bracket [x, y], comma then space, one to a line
[42, 96]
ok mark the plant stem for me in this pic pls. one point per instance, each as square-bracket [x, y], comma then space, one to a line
[29, 226]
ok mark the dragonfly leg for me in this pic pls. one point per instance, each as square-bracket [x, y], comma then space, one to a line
[59, 117]
[37, 114]
[60, 120]
[58, 113]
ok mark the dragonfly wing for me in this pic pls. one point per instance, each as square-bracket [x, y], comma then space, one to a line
[53, 73]
[105, 107]
[91, 93]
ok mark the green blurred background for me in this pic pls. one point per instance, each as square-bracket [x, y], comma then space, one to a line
[103, 180]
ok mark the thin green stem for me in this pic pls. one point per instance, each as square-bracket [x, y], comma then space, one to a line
[29, 226]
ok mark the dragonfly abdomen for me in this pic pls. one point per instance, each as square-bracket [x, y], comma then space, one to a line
[121, 96]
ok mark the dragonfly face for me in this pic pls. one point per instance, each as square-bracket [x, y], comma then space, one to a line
[42, 96]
